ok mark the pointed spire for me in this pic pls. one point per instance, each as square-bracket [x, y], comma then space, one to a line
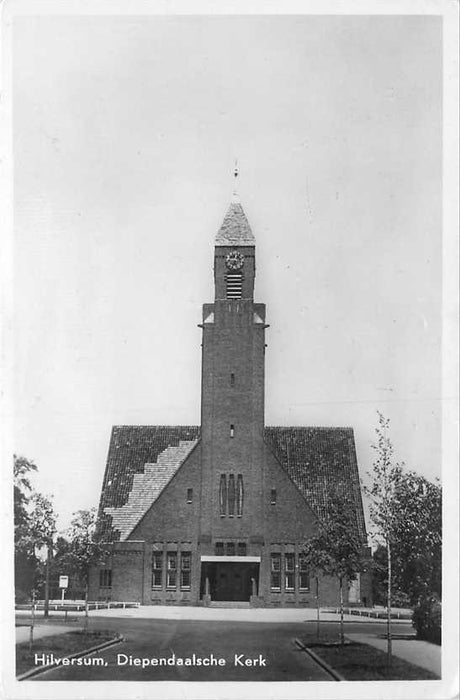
[235, 229]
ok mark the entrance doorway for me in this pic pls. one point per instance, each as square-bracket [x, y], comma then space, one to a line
[229, 581]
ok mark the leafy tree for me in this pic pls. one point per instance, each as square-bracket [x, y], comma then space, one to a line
[386, 477]
[42, 528]
[85, 550]
[24, 556]
[406, 510]
[336, 549]
[417, 543]
[380, 581]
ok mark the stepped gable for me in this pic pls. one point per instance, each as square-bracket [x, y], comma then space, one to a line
[320, 461]
[134, 450]
[235, 229]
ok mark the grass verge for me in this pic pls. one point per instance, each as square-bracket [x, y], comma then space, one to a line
[362, 662]
[60, 645]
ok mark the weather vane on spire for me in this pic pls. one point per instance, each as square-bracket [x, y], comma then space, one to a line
[235, 175]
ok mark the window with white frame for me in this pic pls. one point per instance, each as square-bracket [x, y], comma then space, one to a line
[157, 569]
[289, 572]
[275, 572]
[185, 570]
[171, 570]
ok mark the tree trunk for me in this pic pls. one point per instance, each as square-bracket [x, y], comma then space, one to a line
[317, 607]
[342, 636]
[389, 645]
[32, 622]
[86, 606]
[46, 606]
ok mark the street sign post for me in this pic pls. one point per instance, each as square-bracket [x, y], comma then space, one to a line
[64, 584]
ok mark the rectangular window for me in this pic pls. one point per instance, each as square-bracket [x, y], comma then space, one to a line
[189, 495]
[157, 569]
[219, 549]
[289, 572]
[230, 549]
[232, 430]
[241, 549]
[275, 578]
[304, 574]
[273, 497]
[105, 578]
[232, 379]
[171, 572]
[185, 570]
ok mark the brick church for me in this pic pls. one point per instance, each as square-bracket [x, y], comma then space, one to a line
[203, 515]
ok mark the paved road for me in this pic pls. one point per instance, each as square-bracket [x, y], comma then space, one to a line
[273, 643]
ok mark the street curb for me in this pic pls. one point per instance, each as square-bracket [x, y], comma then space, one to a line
[332, 672]
[41, 669]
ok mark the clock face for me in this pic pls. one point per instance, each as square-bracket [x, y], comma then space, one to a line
[234, 260]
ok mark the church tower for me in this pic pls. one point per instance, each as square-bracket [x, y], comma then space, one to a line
[232, 408]
[220, 512]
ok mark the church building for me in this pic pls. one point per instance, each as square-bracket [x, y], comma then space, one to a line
[219, 513]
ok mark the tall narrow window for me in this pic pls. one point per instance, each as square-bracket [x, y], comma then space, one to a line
[275, 577]
[239, 495]
[232, 430]
[219, 549]
[289, 572]
[234, 285]
[171, 572]
[230, 549]
[157, 569]
[304, 574]
[185, 570]
[231, 495]
[223, 494]
[273, 497]
[232, 379]
[189, 495]
[241, 549]
[105, 578]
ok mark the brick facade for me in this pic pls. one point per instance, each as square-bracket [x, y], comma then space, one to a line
[221, 512]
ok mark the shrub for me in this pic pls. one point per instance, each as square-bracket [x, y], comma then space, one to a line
[427, 619]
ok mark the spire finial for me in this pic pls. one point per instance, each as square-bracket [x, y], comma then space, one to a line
[235, 197]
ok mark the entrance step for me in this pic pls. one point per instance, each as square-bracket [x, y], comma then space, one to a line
[229, 604]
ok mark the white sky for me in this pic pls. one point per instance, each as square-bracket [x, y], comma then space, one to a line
[125, 134]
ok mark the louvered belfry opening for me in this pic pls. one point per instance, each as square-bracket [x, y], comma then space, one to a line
[234, 285]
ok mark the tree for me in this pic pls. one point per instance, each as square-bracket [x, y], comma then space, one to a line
[24, 556]
[406, 510]
[42, 528]
[85, 549]
[380, 580]
[417, 545]
[336, 549]
[386, 476]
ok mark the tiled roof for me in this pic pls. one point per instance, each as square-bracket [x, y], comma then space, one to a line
[147, 486]
[235, 229]
[143, 458]
[320, 461]
[132, 447]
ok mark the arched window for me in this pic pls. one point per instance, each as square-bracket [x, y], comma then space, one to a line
[223, 494]
[231, 495]
[239, 495]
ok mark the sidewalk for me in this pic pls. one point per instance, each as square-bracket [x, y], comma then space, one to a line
[176, 612]
[416, 651]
